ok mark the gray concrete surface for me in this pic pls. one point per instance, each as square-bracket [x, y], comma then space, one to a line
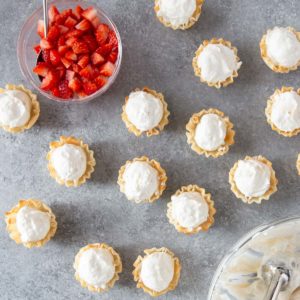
[97, 212]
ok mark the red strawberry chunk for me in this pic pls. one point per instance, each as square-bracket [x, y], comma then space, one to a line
[53, 33]
[49, 81]
[64, 90]
[112, 39]
[70, 41]
[87, 72]
[55, 92]
[41, 69]
[46, 56]
[80, 47]
[97, 58]
[84, 61]
[77, 12]
[63, 29]
[70, 75]
[74, 33]
[75, 84]
[102, 33]
[61, 18]
[71, 55]
[104, 50]
[91, 42]
[54, 57]
[45, 44]
[52, 13]
[81, 94]
[67, 63]
[95, 22]
[70, 22]
[90, 87]
[37, 49]
[62, 49]
[90, 13]
[40, 28]
[76, 68]
[100, 81]
[84, 25]
[113, 56]
[107, 69]
[61, 71]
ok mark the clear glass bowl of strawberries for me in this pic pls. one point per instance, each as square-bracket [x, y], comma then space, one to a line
[81, 55]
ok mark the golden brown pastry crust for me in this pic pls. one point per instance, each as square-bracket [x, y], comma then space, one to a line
[211, 212]
[89, 158]
[162, 177]
[117, 263]
[137, 270]
[11, 226]
[197, 70]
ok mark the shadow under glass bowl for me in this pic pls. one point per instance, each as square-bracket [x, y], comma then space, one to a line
[28, 38]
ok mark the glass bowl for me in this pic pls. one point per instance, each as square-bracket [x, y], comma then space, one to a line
[258, 232]
[28, 38]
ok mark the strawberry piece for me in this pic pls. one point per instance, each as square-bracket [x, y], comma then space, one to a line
[61, 71]
[52, 13]
[63, 29]
[64, 90]
[102, 33]
[100, 81]
[95, 22]
[70, 41]
[107, 69]
[80, 47]
[41, 69]
[75, 84]
[55, 92]
[83, 61]
[90, 87]
[53, 33]
[40, 28]
[112, 39]
[113, 56]
[104, 50]
[77, 12]
[37, 49]
[61, 41]
[76, 68]
[49, 81]
[61, 18]
[97, 58]
[87, 72]
[74, 33]
[46, 56]
[91, 42]
[71, 55]
[81, 94]
[67, 63]
[62, 49]
[84, 25]
[54, 57]
[45, 44]
[70, 75]
[90, 13]
[70, 22]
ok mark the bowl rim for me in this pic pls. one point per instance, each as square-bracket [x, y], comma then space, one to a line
[242, 242]
[48, 95]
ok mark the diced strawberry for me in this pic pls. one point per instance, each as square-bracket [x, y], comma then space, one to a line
[61, 71]
[100, 81]
[90, 88]
[95, 22]
[64, 90]
[90, 13]
[84, 25]
[91, 42]
[113, 56]
[76, 68]
[40, 28]
[53, 33]
[62, 49]
[81, 94]
[77, 12]
[49, 81]
[80, 47]
[55, 92]
[37, 49]
[83, 61]
[75, 84]
[70, 22]
[87, 72]
[46, 56]
[45, 44]
[74, 33]
[102, 33]
[71, 55]
[61, 41]
[97, 58]
[63, 29]
[70, 41]
[54, 57]
[67, 63]
[107, 69]
[52, 13]
[104, 50]
[41, 69]
[70, 75]
[112, 39]
[61, 18]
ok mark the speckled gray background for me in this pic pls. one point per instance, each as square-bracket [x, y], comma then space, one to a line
[97, 212]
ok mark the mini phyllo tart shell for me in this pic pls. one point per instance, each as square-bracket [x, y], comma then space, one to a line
[157, 129]
[34, 112]
[90, 161]
[117, 263]
[191, 131]
[264, 54]
[211, 211]
[298, 164]
[268, 112]
[11, 225]
[193, 19]
[197, 70]
[162, 177]
[137, 271]
[273, 182]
